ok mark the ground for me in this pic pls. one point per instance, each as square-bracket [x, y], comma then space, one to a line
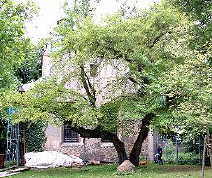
[105, 171]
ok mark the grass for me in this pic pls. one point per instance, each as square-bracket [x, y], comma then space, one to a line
[108, 171]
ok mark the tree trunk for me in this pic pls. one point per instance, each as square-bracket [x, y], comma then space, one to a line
[120, 149]
[209, 146]
[203, 158]
[144, 130]
[136, 150]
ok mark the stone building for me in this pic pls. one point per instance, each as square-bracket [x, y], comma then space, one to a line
[93, 149]
[67, 141]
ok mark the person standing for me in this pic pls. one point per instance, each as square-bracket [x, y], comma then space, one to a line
[160, 153]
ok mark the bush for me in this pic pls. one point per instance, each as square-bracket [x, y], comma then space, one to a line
[35, 137]
[188, 158]
[184, 157]
[169, 154]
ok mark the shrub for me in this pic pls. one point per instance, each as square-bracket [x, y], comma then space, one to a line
[35, 136]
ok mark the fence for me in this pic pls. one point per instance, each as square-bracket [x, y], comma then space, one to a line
[179, 151]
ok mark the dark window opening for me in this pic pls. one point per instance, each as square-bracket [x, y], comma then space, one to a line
[70, 136]
[93, 70]
[104, 140]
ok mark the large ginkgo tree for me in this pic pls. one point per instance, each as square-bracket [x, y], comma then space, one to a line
[170, 81]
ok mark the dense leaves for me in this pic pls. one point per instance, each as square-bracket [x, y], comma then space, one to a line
[13, 43]
[30, 69]
[190, 82]
[35, 136]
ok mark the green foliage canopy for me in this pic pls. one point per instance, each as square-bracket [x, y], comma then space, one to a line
[13, 43]
[174, 80]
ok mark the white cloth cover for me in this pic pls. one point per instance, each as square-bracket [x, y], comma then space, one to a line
[51, 159]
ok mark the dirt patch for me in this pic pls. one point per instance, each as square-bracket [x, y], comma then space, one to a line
[182, 168]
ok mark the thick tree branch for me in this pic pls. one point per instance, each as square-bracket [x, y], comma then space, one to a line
[97, 132]
[100, 133]
[157, 38]
[91, 87]
[90, 95]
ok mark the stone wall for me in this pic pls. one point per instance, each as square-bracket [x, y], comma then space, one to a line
[93, 149]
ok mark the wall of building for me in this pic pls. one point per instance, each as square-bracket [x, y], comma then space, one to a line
[93, 149]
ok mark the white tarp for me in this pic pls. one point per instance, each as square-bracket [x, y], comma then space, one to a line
[51, 159]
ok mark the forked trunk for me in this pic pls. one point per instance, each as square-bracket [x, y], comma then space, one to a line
[118, 144]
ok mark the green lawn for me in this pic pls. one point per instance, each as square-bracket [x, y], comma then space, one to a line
[107, 171]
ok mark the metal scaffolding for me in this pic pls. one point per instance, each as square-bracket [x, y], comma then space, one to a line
[13, 140]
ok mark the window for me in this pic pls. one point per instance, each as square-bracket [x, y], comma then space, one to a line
[107, 140]
[104, 140]
[69, 135]
[93, 70]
